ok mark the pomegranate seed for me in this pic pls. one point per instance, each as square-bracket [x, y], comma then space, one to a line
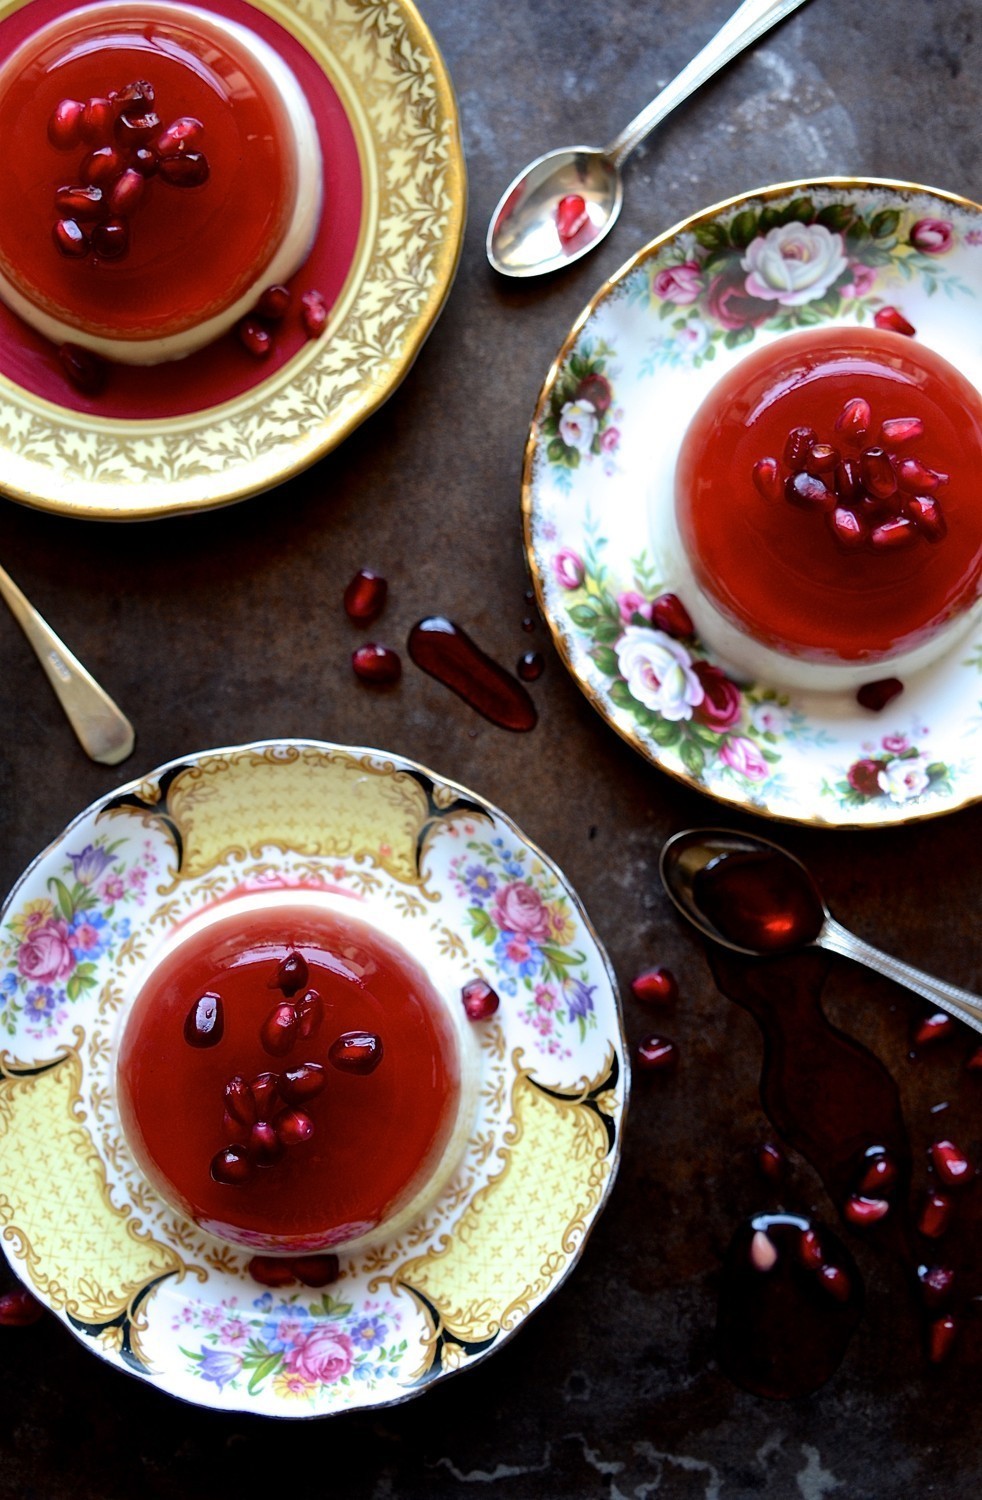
[530, 666]
[265, 1088]
[975, 1061]
[97, 121]
[134, 98]
[876, 473]
[808, 491]
[365, 596]
[655, 987]
[935, 1283]
[771, 1161]
[297, 1085]
[137, 129]
[18, 1308]
[951, 1164]
[111, 239]
[897, 430]
[188, 171]
[934, 1028]
[846, 481]
[310, 1013]
[893, 534]
[571, 216]
[126, 192]
[144, 159]
[863, 1211]
[848, 529]
[941, 1338]
[880, 1175]
[766, 475]
[70, 238]
[917, 479]
[65, 124]
[855, 417]
[356, 1052]
[274, 304]
[291, 975]
[835, 1281]
[82, 202]
[179, 137]
[101, 167]
[810, 1251]
[231, 1166]
[316, 1270]
[265, 1144]
[891, 318]
[293, 1127]
[279, 1030]
[255, 338]
[480, 1000]
[204, 1024]
[268, 1270]
[240, 1103]
[763, 1252]
[935, 1215]
[927, 516]
[313, 312]
[86, 371]
[822, 458]
[797, 446]
[656, 1054]
[876, 695]
[376, 664]
[669, 614]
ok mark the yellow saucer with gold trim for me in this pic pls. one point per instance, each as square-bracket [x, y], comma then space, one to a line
[149, 1291]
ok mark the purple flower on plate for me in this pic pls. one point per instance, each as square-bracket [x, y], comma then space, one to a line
[219, 1365]
[89, 865]
[579, 998]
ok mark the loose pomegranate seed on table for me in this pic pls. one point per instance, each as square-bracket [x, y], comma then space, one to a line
[935, 1215]
[772, 1161]
[365, 596]
[934, 1028]
[941, 1338]
[656, 1054]
[951, 1164]
[810, 1251]
[19, 1308]
[530, 666]
[880, 1175]
[863, 1211]
[935, 1283]
[657, 986]
[834, 1280]
[376, 664]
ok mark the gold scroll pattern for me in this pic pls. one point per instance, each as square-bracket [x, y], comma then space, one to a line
[84, 1256]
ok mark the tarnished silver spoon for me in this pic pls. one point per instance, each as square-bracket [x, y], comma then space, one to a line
[523, 236]
[754, 897]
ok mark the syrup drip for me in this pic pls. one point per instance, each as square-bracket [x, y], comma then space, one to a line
[444, 651]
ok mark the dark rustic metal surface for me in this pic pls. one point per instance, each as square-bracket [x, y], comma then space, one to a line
[222, 628]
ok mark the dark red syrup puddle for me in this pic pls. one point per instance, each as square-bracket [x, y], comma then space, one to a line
[444, 651]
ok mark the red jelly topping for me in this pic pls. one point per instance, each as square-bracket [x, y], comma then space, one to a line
[196, 239]
[287, 1151]
[827, 494]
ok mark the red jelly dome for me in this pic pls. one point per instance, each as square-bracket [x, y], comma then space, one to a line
[829, 500]
[290, 1079]
[165, 167]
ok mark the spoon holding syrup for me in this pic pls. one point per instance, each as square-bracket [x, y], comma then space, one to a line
[524, 236]
[755, 898]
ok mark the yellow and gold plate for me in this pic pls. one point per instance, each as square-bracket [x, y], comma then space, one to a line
[146, 1289]
[199, 435]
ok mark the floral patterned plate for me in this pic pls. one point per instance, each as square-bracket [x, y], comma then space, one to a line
[600, 459]
[147, 1290]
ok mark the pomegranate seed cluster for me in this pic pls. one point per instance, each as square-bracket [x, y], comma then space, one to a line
[257, 331]
[267, 1114]
[127, 143]
[875, 493]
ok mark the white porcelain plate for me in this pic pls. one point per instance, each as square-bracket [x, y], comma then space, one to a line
[600, 459]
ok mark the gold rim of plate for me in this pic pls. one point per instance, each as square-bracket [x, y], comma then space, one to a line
[395, 88]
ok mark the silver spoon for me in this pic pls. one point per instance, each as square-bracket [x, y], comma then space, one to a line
[103, 730]
[810, 924]
[523, 237]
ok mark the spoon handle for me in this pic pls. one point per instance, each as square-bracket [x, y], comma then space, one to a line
[966, 1007]
[750, 21]
[104, 732]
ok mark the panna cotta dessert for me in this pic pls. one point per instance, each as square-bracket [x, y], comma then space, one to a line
[828, 510]
[291, 1079]
[163, 170]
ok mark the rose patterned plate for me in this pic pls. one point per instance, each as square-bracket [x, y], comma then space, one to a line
[446, 873]
[220, 425]
[598, 473]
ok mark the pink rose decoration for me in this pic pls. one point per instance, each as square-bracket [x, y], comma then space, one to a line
[520, 909]
[569, 568]
[323, 1356]
[609, 439]
[630, 604]
[742, 756]
[595, 389]
[45, 955]
[863, 777]
[863, 278]
[680, 284]
[729, 303]
[720, 707]
[931, 236]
